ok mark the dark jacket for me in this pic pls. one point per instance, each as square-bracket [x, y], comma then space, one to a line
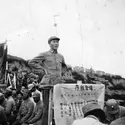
[3, 119]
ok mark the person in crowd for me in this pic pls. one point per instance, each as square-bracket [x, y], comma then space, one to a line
[113, 110]
[22, 89]
[14, 94]
[36, 118]
[3, 119]
[52, 63]
[119, 121]
[10, 106]
[93, 115]
[32, 89]
[26, 109]
[18, 100]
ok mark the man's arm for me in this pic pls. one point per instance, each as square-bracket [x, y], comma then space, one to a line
[63, 63]
[29, 112]
[37, 116]
[37, 62]
[32, 116]
[9, 107]
[19, 112]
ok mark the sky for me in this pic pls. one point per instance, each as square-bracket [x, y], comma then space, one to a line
[92, 32]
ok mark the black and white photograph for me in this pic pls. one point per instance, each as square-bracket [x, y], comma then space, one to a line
[62, 62]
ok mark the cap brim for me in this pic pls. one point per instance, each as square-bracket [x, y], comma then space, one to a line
[53, 39]
[113, 112]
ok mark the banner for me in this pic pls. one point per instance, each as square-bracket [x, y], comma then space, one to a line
[3, 58]
[70, 98]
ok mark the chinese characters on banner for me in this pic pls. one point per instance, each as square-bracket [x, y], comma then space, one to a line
[70, 98]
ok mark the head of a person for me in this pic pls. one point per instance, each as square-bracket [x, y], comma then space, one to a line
[22, 89]
[112, 106]
[8, 92]
[14, 93]
[36, 97]
[53, 42]
[19, 95]
[26, 94]
[94, 109]
[2, 98]
[32, 87]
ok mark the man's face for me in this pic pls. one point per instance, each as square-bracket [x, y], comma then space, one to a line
[23, 88]
[36, 99]
[33, 89]
[25, 94]
[54, 44]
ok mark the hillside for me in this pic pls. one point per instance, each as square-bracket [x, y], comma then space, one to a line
[115, 84]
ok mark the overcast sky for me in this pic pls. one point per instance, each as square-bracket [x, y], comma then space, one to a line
[92, 32]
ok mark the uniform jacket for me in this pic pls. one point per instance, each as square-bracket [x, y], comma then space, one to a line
[36, 118]
[26, 110]
[52, 62]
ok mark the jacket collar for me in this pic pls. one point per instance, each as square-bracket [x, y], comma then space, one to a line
[52, 51]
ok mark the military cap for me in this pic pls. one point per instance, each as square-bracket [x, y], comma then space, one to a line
[30, 86]
[92, 107]
[53, 38]
[112, 106]
[36, 94]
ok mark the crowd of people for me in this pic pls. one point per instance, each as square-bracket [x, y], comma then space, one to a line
[21, 107]
[95, 115]
[26, 107]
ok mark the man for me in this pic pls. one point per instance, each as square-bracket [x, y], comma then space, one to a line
[10, 106]
[26, 109]
[93, 115]
[113, 110]
[36, 118]
[19, 100]
[52, 62]
[3, 119]
[32, 89]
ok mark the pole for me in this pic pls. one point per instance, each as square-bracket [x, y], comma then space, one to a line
[6, 65]
[6, 70]
[50, 107]
[81, 31]
[55, 24]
